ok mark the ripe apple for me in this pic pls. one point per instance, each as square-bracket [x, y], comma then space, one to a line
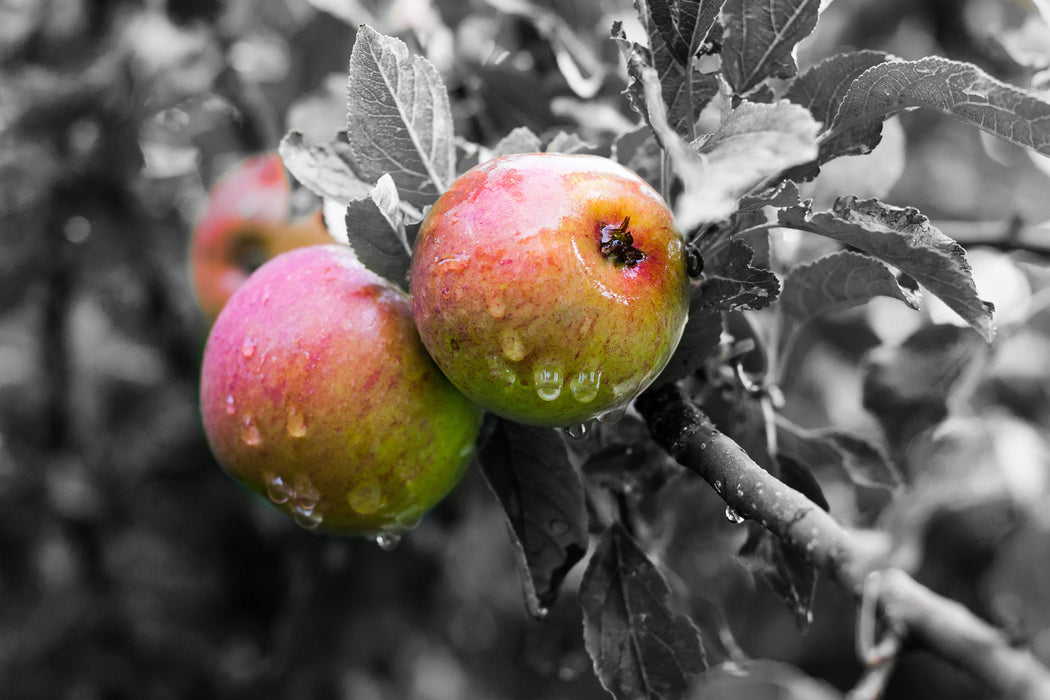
[246, 221]
[317, 394]
[551, 289]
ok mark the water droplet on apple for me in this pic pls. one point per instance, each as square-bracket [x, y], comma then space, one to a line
[231, 407]
[733, 517]
[584, 386]
[296, 423]
[248, 347]
[266, 295]
[548, 383]
[366, 498]
[306, 518]
[511, 344]
[388, 541]
[250, 434]
[613, 415]
[277, 490]
[305, 494]
[559, 527]
[501, 372]
[577, 432]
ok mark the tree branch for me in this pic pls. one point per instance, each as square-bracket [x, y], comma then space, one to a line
[942, 626]
[1007, 236]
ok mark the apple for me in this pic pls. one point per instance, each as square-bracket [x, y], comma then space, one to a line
[317, 394]
[551, 289]
[246, 221]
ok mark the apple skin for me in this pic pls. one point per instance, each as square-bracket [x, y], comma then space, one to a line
[247, 220]
[317, 394]
[522, 310]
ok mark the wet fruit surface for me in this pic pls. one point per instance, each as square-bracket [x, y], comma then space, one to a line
[317, 394]
[551, 289]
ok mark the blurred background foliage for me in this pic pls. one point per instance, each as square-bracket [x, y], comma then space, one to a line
[131, 567]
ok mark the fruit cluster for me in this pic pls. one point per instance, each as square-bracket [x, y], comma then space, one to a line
[547, 289]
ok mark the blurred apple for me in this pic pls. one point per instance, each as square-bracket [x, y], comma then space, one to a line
[247, 220]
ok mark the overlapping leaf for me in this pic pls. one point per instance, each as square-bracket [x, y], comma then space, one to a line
[839, 281]
[821, 89]
[529, 471]
[326, 169]
[733, 283]
[760, 38]
[377, 230]
[398, 118]
[830, 449]
[956, 88]
[904, 238]
[640, 647]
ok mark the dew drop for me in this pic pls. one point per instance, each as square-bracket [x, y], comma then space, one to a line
[231, 407]
[613, 415]
[577, 432]
[250, 434]
[366, 498]
[306, 494]
[501, 372]
[277, 490]
[584, 386]
[307, 518]
[733, 517]
[296, 423]
[559, 527]
[542, 612]
[388, 541]
[512, 345]
[548, 383]
[248, 347]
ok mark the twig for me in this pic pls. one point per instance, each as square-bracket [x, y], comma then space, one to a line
[942, 626]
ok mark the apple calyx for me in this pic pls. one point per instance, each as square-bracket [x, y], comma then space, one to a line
[617, 244]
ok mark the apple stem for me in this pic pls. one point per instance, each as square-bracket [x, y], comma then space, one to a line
[617, 243]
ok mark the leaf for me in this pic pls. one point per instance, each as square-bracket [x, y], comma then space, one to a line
[839, 281]
[700, 339]
[567, 143]
[782, 195]
[799, 477]
[375, 229]
[684, 91]
[821, 89]
[325, 169]
[760, 38]
[753, 143]
[519, 140]
[959, 89]
[398, 118]
[830, 449]
[529, 471]
[904, 238]
[732, 283]
[640, 647]
[908, 387]
[785, 571]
